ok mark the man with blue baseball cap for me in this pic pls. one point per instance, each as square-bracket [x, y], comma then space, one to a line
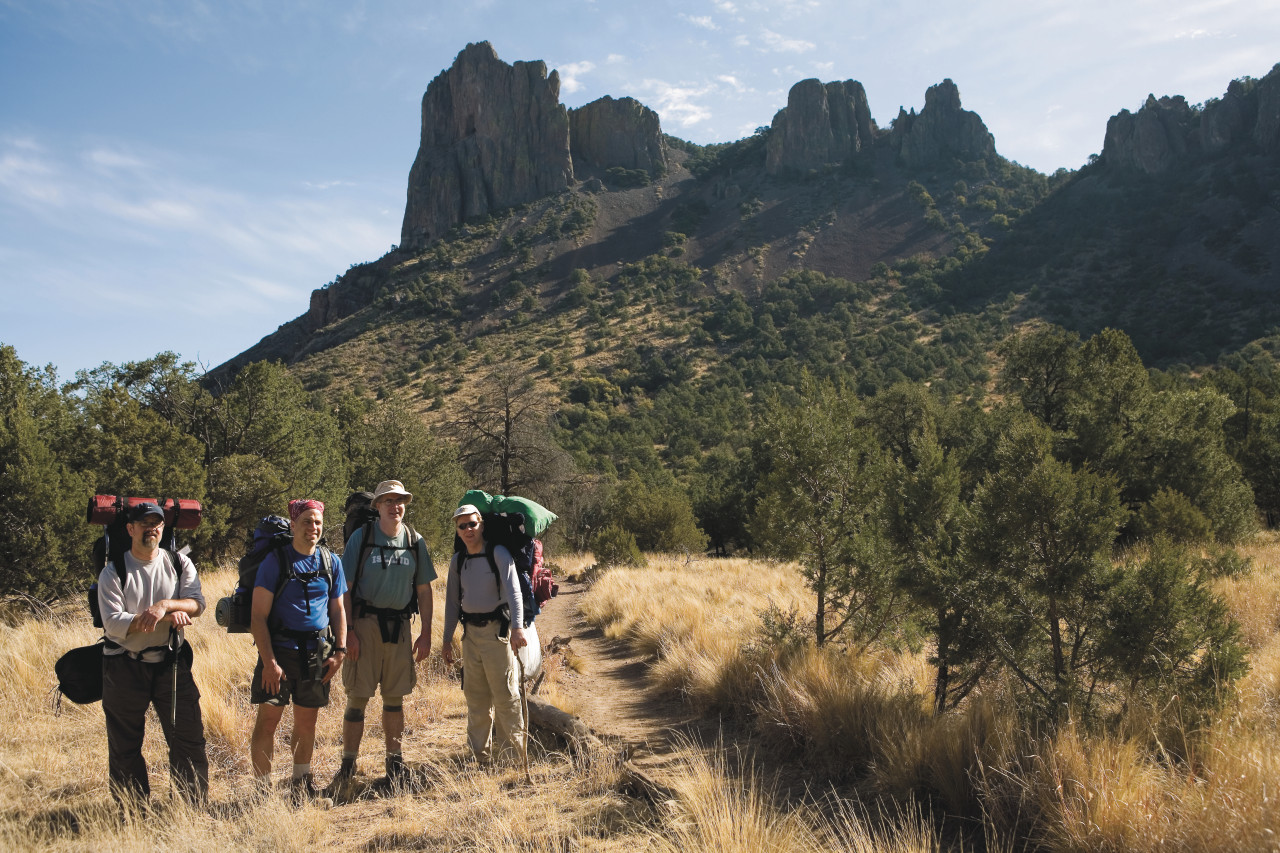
[146, 603]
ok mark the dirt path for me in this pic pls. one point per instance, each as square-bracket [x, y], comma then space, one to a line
[611, 694]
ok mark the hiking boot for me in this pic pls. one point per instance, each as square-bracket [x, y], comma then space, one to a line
[342, 778]
[397, 770]
[304, 790]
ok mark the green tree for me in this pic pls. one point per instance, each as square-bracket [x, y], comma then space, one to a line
[819, 503]
[658, 514]
[1040, 535]
[391, 441]
[1167, 635]
[267, 414]
[925, 522]
[43, 538]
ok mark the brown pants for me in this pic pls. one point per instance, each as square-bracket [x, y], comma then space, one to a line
[129, 687]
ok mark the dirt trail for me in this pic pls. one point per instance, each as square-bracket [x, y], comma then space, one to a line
[611, 694]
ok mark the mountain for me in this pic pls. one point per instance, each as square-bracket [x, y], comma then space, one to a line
[616, 263]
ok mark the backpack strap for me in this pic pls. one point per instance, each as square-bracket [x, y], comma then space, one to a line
[171, 557]
[287, 573]
[366, 546]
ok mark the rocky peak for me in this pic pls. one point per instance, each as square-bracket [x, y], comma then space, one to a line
[1166, 130]
[942, 130]
[820, 125]
[1152, 139]
[493, 135]
[612, 132]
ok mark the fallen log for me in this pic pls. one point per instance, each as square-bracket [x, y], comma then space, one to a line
[544, 715]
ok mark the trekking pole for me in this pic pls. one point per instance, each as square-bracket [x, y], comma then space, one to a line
[173, 701]
[524, 714]
[173, 678]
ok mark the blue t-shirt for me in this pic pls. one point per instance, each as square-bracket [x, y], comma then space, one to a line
[303, 603]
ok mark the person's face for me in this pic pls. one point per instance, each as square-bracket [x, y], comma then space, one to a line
[146, 532]
[470, 528]
[308, 528]
[391, 508]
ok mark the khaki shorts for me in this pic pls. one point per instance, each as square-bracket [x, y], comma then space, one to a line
[387, 664]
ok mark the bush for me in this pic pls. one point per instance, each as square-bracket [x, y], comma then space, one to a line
[614, 546]
[1171, 514]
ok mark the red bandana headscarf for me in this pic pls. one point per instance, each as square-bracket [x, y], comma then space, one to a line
[297, 508]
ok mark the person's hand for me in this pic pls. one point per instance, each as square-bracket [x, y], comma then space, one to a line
[148, 619]
[446, 652]
[331, 666]
[518, 639]
[353, 645]
[271, 675]
[422, 646]
[179, 618]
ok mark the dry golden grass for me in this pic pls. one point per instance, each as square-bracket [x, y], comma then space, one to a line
[866, 717]
[716, 810]
[862, 717]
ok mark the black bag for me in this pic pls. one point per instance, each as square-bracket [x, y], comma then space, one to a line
[359, 511]
[79, 674]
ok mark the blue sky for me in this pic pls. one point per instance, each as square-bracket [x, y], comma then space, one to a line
[180, 174]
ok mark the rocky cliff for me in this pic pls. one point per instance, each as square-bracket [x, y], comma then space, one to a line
[820, 125]
[1168, 130]
[941, 131]
[612, 132]
[493, 135]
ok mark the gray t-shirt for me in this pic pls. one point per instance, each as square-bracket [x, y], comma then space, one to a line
[145, 584]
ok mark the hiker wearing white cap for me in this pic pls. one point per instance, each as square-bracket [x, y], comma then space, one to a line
[488, 604]
[391, 573]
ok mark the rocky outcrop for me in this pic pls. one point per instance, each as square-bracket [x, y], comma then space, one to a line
[493, 135]
[1266, 131]
[1151, 140]
[942, 131]
[821, 125]
[616, 132]
[1167, 130]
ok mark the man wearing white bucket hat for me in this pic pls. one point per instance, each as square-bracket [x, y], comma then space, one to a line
[391, 581]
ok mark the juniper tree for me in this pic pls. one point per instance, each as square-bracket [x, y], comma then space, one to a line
[819, 503]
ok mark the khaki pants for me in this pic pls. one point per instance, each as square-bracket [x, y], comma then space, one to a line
[490, 683]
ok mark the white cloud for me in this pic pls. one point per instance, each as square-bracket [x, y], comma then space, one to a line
[725, 6]
[678, 104]
[741, 41]
[615, 58]
[731, 81]
[570, 73]
[781, 44]
[703, 21]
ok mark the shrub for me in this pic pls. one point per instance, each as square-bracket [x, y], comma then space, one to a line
[614, 546]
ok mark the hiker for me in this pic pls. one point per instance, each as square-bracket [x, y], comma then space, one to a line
[301, 633]
[492, 619]
[143, 619]
[392, 574]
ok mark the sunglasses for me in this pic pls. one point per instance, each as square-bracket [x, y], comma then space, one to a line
[469, 525]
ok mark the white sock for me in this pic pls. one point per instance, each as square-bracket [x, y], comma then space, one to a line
[300, 770]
